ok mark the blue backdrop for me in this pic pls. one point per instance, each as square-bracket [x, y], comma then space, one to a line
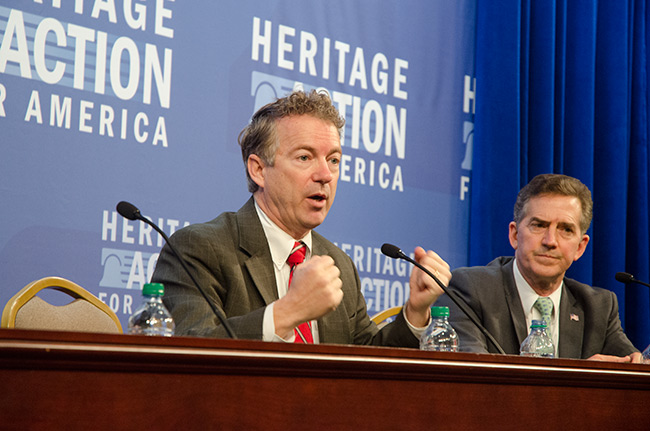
[100, 104]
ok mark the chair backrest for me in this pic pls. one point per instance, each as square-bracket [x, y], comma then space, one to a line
[380, 318]
[86, 313]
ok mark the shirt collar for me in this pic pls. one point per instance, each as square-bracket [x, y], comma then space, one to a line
[280, 242]
[529, 296]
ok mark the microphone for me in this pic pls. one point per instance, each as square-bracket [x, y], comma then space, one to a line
[393, 251]
[131, 212]
[624, 277]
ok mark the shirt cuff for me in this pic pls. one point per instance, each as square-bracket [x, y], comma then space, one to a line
[414, 329]
[268, 328]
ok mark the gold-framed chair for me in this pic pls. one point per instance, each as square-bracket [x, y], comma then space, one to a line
[86, 313]
[381, 318]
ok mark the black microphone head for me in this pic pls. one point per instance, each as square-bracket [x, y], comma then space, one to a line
[391, 250]
[128, 210]
[624, 277]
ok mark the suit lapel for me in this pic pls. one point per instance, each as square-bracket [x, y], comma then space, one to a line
[332, 320]
[334, 327]
[514, 303]
[252, 241]
[571, 321]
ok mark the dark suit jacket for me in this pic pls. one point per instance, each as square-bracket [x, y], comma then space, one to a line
[230, 258]
[492, 295]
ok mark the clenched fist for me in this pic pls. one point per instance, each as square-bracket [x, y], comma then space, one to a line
[315, 291]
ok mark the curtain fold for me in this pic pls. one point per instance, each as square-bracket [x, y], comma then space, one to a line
[562, 87]
[496, 161]
[637, 257]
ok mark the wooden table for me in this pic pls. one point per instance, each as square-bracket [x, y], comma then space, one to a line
[66, 380]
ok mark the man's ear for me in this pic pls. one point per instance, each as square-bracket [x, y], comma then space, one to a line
[581, 247]
[255, 166]
[512, 234]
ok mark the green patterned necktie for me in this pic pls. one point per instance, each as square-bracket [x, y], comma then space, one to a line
[544, 305]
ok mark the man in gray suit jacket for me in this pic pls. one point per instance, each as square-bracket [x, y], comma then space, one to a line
[291, 150]
[551, 216]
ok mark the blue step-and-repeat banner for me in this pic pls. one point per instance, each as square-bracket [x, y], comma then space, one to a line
[110, 100]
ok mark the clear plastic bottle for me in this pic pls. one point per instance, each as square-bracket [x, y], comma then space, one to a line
[152, 317]
[645, 356]
[538, 343]
[439, 336]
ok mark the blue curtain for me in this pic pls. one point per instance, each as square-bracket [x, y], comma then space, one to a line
[562, 86]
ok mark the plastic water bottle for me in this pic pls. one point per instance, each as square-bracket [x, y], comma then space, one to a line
[538, 343]
[645, 356]
[152, 317]
[439, 336]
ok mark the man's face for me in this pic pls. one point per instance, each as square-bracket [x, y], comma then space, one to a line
[298, 190]
[548, 240]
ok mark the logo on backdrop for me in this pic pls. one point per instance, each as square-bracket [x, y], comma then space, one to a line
[469, 106]
[375, 133]
[373, 266]
[123, 82]
[131, 267]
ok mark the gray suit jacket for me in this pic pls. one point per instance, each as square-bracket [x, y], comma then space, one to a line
[589, 321]
[231, 260]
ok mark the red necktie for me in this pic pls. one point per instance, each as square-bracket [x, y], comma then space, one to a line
[296, 257]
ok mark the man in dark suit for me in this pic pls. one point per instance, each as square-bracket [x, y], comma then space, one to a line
[291, 150]
[551, 217]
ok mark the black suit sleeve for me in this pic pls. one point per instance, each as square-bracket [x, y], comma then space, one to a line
[615, 342]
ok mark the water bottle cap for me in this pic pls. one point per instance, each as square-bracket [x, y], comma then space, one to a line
[439, 312]
[538, 324]
[153, 289]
